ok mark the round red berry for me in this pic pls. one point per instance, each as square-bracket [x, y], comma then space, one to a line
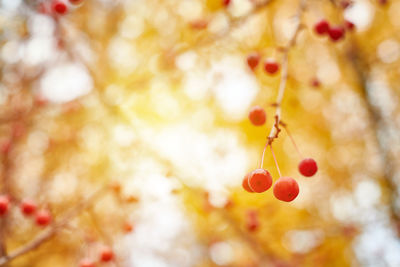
[315, 82]
[28, 207]
[75, 2]
[245, 183]
[106, 254]
[345, 3]
[252, 60]
[87, 263]
[252, 222]
[43, 218]
[349, 25]
[336, 33]
[286, 189]
[308, 167]
[226, 2]
[4, 204]
[321, 27]
[260, 180]
[271, 66]
[60, 7]
[257, 116]
[5, 147]
[128, 227]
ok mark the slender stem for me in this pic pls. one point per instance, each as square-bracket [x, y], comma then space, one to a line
[263, 156]
[276, 162]
[274, 132]
[293, 142]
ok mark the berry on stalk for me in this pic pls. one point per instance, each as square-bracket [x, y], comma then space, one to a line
[257, 116]
[106, 254]
[286, 189]
[322, 27]
[260, 180]
[4, 204]
[59, 7]
[226, 3]
[336, 33]
[252, 60]
[28, 207]
[308, 167]
[271, 66]
[245, 183]
[43, 218]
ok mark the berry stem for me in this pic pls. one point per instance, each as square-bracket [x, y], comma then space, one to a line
[293, 142]
[263, 156]
[276, 162]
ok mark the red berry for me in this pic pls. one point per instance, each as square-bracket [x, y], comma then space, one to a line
[28, 207]
[252, 222]
[59, 7]
[336, 33]
[271, 66]
[106, 254]
[383, 2]
[345, 4]
[4, 204]
[286, 189]
[5, 147]
[252, 60]
[315, 82]
[349, 25]
[128, 227]
[321, 27]
[226, 2]
[245, 183]
[43, 218]
[87, 263]
[308, 167]
[75, 2]
[260, 180]
[257, 116]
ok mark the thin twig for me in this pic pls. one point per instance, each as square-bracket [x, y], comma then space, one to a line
[47, 234]
[275, 130]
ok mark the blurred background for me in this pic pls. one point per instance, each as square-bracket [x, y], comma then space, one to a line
[127, 121]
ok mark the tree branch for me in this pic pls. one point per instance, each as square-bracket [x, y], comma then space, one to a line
[49, 233]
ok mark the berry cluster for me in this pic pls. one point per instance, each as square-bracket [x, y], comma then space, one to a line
[106, 255]
[260, 180]
[335, 33]
[28, 208]
[270, 65]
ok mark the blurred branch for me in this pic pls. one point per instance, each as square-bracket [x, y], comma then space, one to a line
[49, 233]
[275, 130]
[234, 23]
[376, 120]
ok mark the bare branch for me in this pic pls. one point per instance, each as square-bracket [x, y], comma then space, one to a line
[49, 233]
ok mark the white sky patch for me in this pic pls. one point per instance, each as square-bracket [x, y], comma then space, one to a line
[163, 235]
[217, 160]
[221, 253]
[234, 88]
[302, 241]
[361, 13]
[38, 50]
[65, 82]
[389, 51]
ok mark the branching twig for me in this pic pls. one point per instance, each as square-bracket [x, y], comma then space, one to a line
[49, 233]
[275, 130]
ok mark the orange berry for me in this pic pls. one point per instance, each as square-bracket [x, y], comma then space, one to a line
[260, 180]
[286, 189]
[257, 116]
